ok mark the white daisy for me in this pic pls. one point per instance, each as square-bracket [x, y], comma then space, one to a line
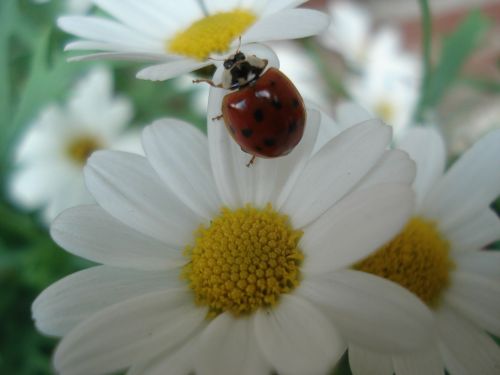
[216, 268]
[440, 257]
[52, 152]
[73, 6]
[183, 35]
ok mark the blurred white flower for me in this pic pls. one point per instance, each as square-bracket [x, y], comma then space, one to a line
[386, 78]
[182, 36]
[386, 95]
[440, 257]
[261, 286]
[52, 152]
[73, 6]
[349, 32]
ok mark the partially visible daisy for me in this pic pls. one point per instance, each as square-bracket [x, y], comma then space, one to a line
[386, 95]
[215, 268]
[51, 154]
[440, 256]
[351, 33]
[73, 6]
[182, 36]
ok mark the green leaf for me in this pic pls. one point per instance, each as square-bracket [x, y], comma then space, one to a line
[457, 48]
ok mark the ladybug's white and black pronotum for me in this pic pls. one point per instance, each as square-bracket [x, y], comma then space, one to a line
[264, 113]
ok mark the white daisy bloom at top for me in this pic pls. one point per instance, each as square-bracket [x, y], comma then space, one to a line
[440, 257]
[214, 267]
[52, 152]
[73, 6]
[182, 36]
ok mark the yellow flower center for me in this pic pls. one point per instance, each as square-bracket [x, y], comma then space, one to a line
[385, 110]
[244, 260]
[417, 259]
[211, 34]
[79, 149]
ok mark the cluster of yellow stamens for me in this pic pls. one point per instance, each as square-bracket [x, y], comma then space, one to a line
[244, 260]
[81, 148]
[417, 259]
[212, 34]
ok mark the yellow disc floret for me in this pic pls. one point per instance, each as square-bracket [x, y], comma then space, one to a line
[244, 260]
[211, 34]
[417, 259]
[80, 148]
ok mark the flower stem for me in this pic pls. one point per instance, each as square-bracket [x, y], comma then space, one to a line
[426, 58]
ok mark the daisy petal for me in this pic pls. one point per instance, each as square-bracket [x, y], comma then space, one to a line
[107, 31]
[138, 15]
[90, 232]
[297, 339]
[370, 311]
[178, 153]
[428, 362]
[276, 6]
[350, 113]
[128, 332]
[358, 225]
[485, 263]
[228, 346]
[47, 175]
[177, 362]
[426, 147]
[476, 232]
[347, 158]
[171, 69]
[478, 298]
[467, 189]
[73, 299]
[465, 349]
[128, 188]
[394, 167]
[364, 362]
[287, 24]
[275, 177]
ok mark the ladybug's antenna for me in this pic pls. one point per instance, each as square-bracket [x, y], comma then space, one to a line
[214, 59]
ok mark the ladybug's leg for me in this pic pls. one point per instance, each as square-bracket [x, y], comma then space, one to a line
[251, 161]
[217, 117]
[210, 82]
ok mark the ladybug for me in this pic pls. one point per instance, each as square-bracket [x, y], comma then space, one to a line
[264, 113]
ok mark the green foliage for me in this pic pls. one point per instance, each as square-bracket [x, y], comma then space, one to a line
[457, 48]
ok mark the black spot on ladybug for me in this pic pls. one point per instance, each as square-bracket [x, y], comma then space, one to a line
[292, 127]
[276, 103]
[247, 133]
[258, 148]
[258, 115]
[272, 83]
[270, 142]
[295, 103]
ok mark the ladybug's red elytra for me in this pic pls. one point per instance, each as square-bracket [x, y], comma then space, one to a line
[265, 113]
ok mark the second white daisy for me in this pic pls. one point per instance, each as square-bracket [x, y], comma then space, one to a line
[214, 267]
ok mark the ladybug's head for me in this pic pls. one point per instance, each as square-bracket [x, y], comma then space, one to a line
[241, 70]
